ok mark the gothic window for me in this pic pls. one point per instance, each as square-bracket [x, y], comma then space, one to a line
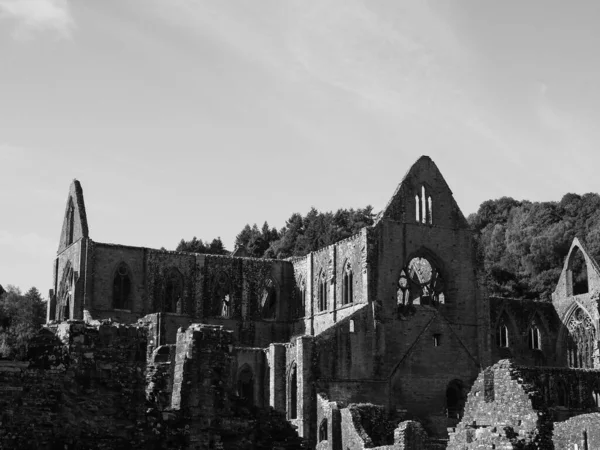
[322, 291]
[502, 335]
[269, 300]
[535, 342]
[597, 397]
[581, 340]
[245, 384]
[172, 299]
[301, 294]
[293, 390]
[222, 305]
[323, 430]
[423, 207]
[70, 222]
[577, 273]
[65, 293]
[420, 283]
[561, 394]
[121, 287]
[347, 285]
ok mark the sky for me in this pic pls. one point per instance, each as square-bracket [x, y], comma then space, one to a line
[185, 118]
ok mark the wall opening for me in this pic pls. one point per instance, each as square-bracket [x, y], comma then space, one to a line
[122, 287]
[70, 222]
[323, 430]
[245, 384]
[347, 285]
[577, 273]
[172, 298]
[580, 340]
[269, 301]
[502, 336]
[535, 341]
[455, 399]
[420, 283]
[293, 397]
[222, 305]
[322, 291]
[437, 340]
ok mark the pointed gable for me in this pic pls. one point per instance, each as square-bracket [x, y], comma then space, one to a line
[423, 197]
[565, 285]
[75, 224]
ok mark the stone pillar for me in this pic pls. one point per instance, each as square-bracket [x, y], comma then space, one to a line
[304, 355]
[277, 377]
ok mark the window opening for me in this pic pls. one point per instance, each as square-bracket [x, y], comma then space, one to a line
[430, 210]
[323, 430]
[578, 273]
[70, 222]
[455, 399]
[173, 291]
[437, 340]
[293, 393]
[121, 287]
[502, 335]
[347, 285]
[424, 206]
[417, 208]
[581, 340]
[269, 300]
[534, 338]
[246, 385]
[222, 297]
[420, 283]
[322, 292]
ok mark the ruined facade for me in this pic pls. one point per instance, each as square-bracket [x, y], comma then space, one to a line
[393, 316]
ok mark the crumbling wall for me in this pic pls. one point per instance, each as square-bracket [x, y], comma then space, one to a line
[83, 387]
[583, 431]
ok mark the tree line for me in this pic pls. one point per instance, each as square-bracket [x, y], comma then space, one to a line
[521, 244]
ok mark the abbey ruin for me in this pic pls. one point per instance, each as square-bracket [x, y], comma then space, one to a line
[383, 340]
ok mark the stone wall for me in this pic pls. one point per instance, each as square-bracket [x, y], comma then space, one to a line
[521, 406]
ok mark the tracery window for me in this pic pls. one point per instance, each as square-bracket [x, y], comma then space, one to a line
[420, 283]
[322, 291]
[581, 340]
[122, 287]
[347, 285]
[172, 298]
[222, 305]
[269, 300]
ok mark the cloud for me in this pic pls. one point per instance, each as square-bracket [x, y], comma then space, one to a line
[34, 16]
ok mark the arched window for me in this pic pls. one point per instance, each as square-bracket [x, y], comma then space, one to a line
[535, 341]
[70, 222]
[322, 291]
[172, 300]
[455, 399]
[347, 285]
[502, 335]
[580, 340]
[301, 300]
[122, 287]
[293, 393]
[65, 293]
[420, 283]
[323, 430]
[417, 208]
[222, 305]
[269, 300]
[245, 384]
[597, 397]
[430, 210]
[577, 282]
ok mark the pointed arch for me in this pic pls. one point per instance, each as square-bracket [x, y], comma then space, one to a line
[578, 337]
[172, 291]
[293, 392]
[268, 301]
[421, 280]
[577, 272]
[322, 285]
[121, 287]
[222, 305]
[347, 283]
[456, 396]
[70, 221]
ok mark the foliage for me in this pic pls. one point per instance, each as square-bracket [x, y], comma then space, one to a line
[303, 234]
[522, 244]
[215, 247]
[21, 316]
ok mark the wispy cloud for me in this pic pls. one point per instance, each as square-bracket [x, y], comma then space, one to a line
[34, 16]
